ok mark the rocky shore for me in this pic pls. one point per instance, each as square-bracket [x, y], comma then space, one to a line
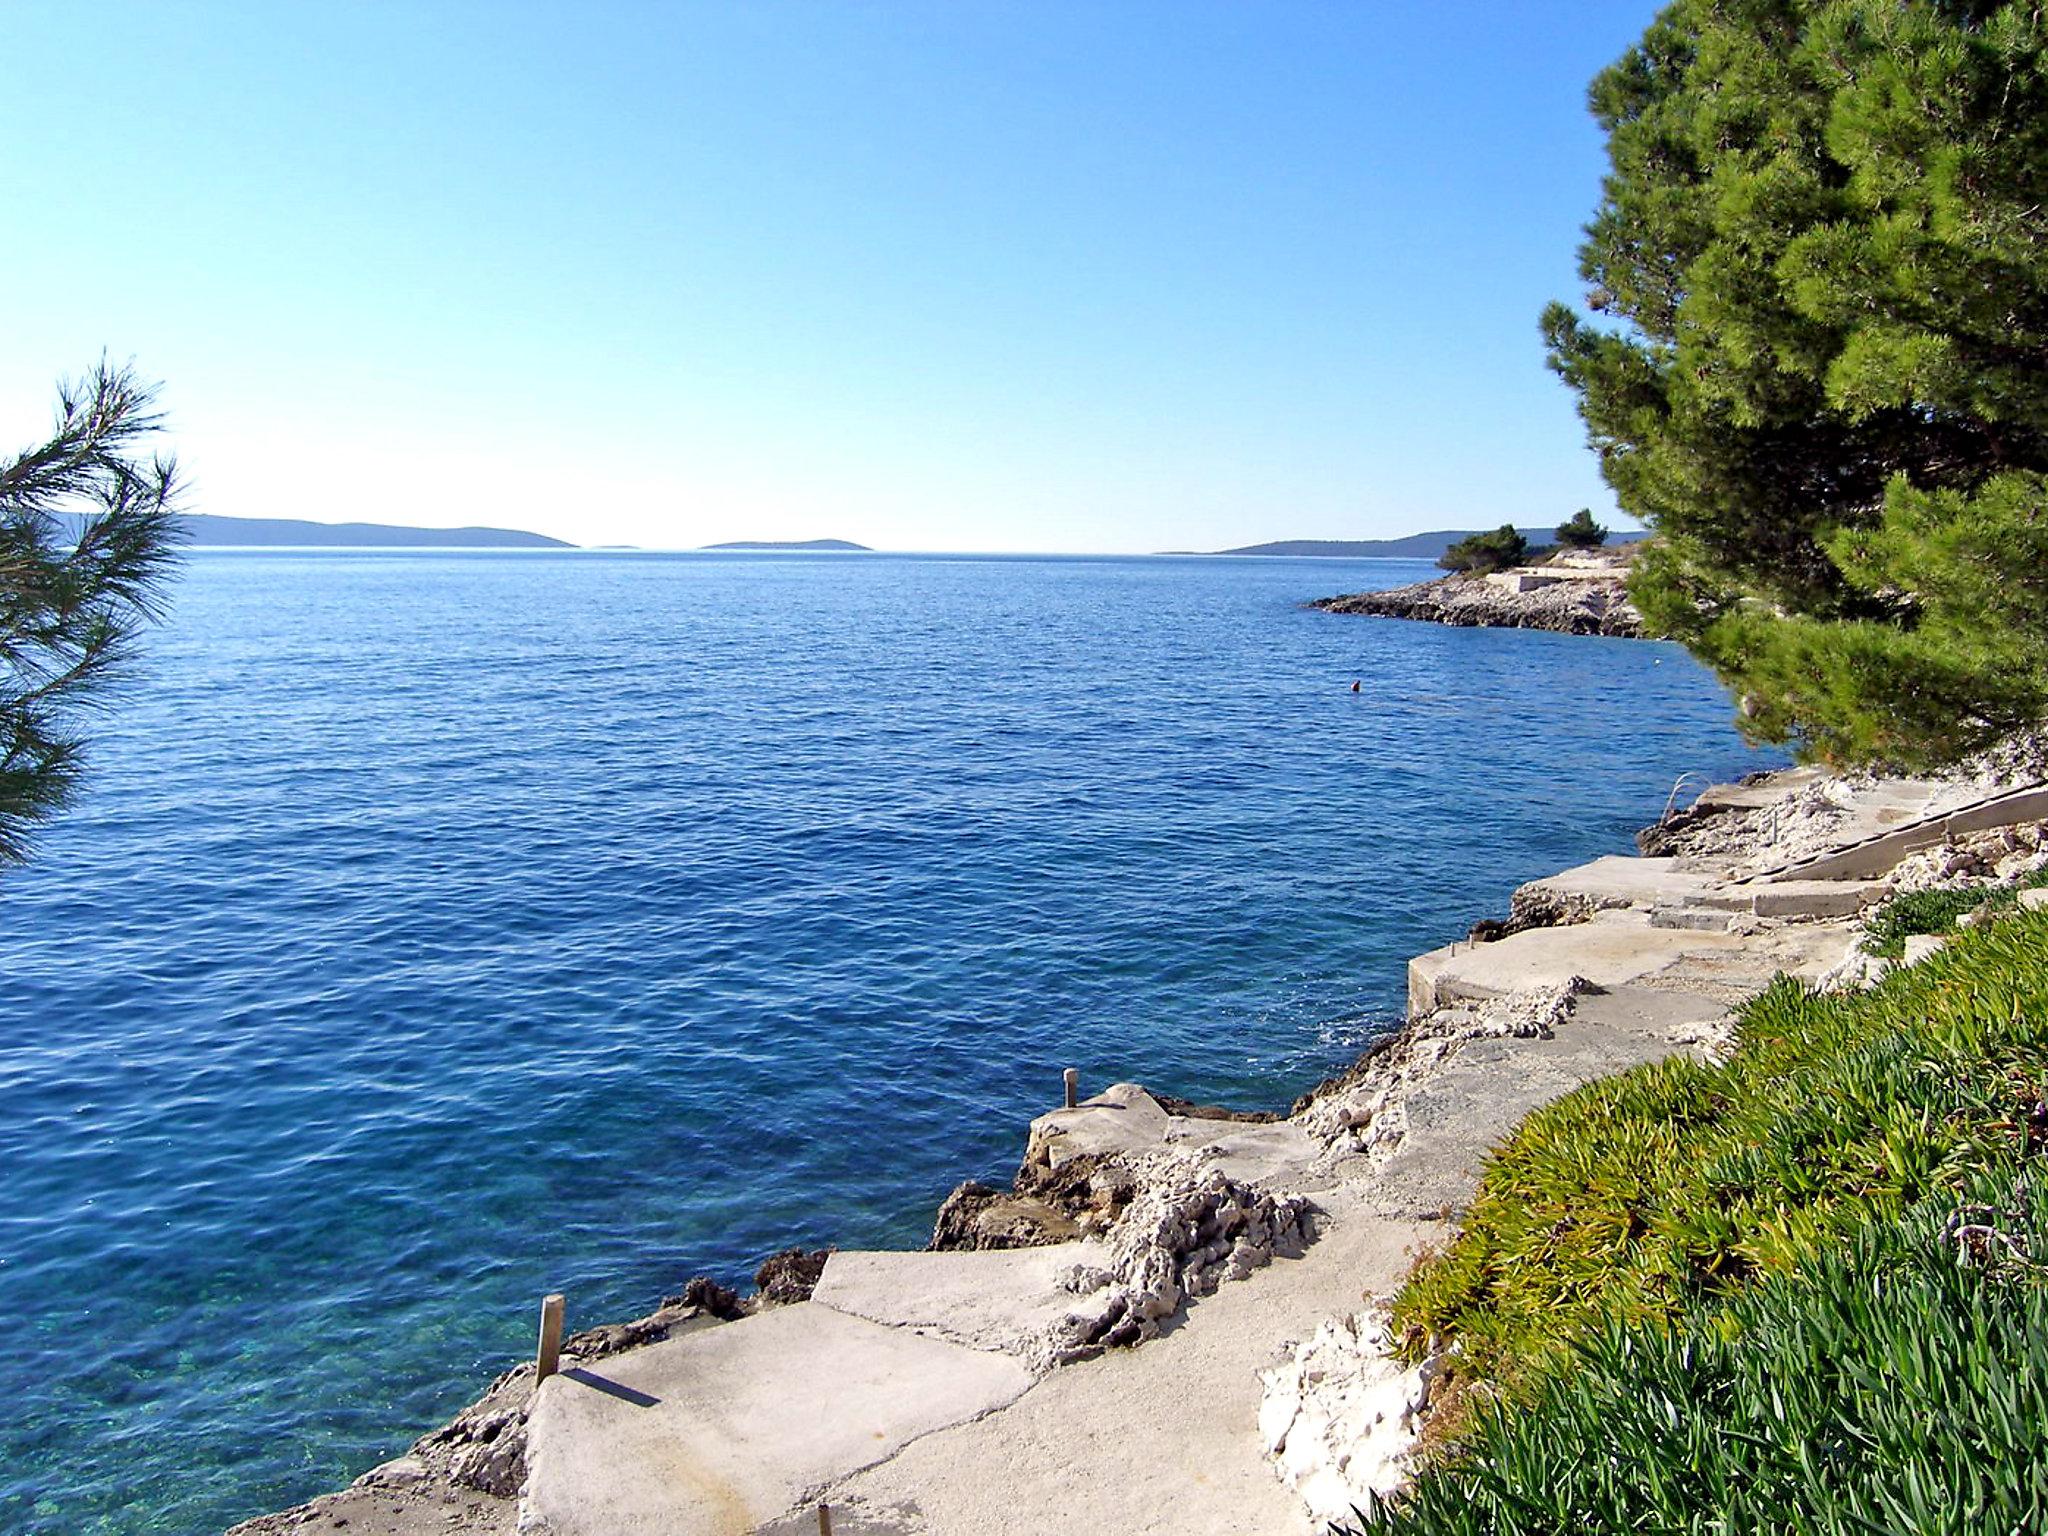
[1578, 592]
[988, 1381]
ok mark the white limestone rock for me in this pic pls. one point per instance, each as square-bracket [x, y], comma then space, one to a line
[1339, 1417]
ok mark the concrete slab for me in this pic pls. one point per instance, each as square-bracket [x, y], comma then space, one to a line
[1613, 950]
[1478, 1099]
[720, 1431]
[997, 1299]
[1271, 1156]
[1162, 1439]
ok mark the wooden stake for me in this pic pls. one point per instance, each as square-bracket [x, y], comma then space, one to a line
[824, 1520]
[548, 1358]
[1073, 1082]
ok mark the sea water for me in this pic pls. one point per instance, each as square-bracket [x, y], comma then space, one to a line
[441, 929]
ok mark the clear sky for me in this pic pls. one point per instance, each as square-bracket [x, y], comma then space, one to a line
[927, 274]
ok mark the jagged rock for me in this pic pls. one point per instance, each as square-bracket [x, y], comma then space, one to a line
[1537, 905]
[1092, 1191]
[1081, 1197]
[610, 1338]
[789, 1276]
[1598, 606]
[706, 1295]
[484, 1446]
[495, 1460]
[1188, 1109]
[1360, 1073]
[1189, 1228]
[978, 1216]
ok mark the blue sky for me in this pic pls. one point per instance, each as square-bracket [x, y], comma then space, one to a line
[972, 276]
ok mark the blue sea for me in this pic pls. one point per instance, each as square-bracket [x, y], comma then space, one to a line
[441, 929]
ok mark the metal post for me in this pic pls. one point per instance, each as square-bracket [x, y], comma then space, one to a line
[1073, 1082]
[548, 1358]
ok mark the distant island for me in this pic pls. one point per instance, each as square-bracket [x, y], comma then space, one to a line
[205, 528]
[839, 545]
[1416, 546]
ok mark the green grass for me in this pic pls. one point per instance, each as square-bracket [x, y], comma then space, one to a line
[1648, 1194]
[1882, 1385]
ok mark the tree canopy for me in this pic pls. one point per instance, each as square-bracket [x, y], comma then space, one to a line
[1822, 255]
[1579, 531]
[87, 538]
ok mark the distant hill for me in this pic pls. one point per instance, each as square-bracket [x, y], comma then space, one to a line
[828, 544]
[205, 528]
[1416, 546]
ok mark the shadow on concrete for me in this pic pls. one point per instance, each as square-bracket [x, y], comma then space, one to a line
[610, 1388]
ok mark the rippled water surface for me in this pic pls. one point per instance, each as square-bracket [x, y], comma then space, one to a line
[440, 930]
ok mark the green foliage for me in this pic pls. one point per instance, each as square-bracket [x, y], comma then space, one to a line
[1483, 552]
[1885, 932]
[1641, 1195]
[1921, 912]
[1822, 252]
[1894, 1382]
[86, 543]
[1580, 531]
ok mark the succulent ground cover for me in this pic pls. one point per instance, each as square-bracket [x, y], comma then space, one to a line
[1752, 1296]
[1936, 911]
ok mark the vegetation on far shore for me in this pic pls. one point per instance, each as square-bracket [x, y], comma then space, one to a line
[1483, 552]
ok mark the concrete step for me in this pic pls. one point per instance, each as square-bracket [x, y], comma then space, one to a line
[721, 1431]
[1613, 950]
[1809, 898]
[1622, 880]
[1619, 949]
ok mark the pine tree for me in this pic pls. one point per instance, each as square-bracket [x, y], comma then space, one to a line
[1823, 245]
[1479, 553]
[1579, 531]
[87, 536]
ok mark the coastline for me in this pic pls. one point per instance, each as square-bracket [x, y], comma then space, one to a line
[1134, 1214]
[1574, 592]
